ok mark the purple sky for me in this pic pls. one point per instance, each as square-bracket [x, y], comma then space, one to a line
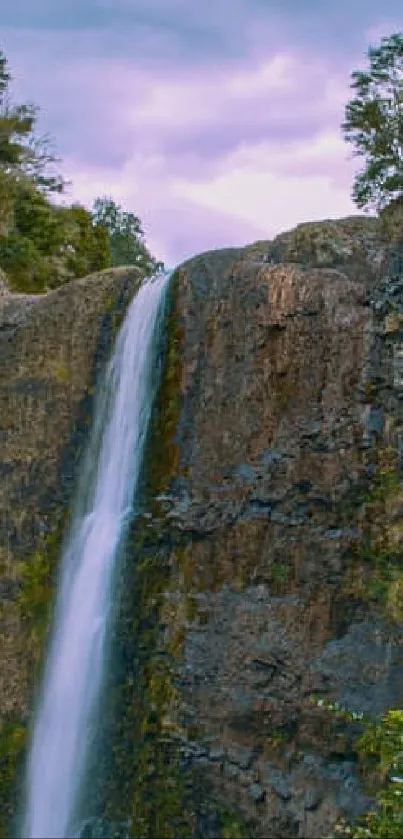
[218, 123]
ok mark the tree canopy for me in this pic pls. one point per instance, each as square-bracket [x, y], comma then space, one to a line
[42, 244]
[374, 125]
[126, 236]
[22, 151]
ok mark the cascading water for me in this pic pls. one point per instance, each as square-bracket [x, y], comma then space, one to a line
[106, 489]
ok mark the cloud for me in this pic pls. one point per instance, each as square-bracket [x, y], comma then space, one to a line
[108, 107]
[175, 227]
[207, 159]
[216, 123]
[195, 33]
[271, 202]
[257, 192]
[209, 115]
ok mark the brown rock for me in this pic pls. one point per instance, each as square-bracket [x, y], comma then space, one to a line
[274, 437]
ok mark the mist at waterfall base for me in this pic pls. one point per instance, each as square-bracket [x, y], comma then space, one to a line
[104, 503]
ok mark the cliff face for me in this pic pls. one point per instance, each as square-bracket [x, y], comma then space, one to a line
[290, 413]
[51, 348]
[280, 415]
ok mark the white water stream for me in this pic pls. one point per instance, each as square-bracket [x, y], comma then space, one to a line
[104, 500]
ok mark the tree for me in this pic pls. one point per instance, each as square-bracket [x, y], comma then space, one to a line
[36, 219]
[42, 245]
[374, 124]
[127, 242]
[22, 153]
[45, 245]
[87, 246]
[7, 194]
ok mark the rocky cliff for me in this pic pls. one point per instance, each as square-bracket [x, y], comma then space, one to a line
[52, 347]
[264, 570]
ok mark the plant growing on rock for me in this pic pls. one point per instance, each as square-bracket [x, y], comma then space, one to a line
[380, 749]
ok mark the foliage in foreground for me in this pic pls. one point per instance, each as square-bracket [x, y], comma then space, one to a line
[380, 749]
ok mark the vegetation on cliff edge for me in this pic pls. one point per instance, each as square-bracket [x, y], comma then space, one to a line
[44, 244]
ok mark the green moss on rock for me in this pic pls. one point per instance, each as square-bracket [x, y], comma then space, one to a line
[35, 600]
[232, 827]
[13, 739]
[62, 373]
[375, 574]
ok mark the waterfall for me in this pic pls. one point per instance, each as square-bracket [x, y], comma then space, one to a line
[105, 498]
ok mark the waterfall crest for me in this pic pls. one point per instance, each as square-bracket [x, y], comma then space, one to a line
[105, 497]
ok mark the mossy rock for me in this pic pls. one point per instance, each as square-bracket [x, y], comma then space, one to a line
[13, 741]
[374, 574]
[323, 244]
[35, 600]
